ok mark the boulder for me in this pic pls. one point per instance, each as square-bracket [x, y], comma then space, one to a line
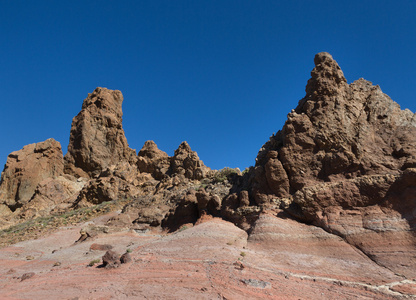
[125, 258]
[111, 260]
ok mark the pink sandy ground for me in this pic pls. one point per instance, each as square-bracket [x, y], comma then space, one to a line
[282, 259]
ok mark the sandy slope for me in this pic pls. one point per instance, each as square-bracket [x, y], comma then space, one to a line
[281, 259]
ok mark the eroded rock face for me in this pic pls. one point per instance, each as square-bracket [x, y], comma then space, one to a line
[53, 195]
[152, 160]
[26, 168]
[345, 156]
[97, 138]
[186, 162]
[340, 131]
[114, 183]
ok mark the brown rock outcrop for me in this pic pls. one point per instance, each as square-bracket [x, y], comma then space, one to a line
[346, 155]
[186, 162]
[152, 160]
[97, 138]
[53, 195]
[26, 168]
[115, 182]
[340, 131]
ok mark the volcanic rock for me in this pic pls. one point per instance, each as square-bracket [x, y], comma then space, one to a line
[152, 160]
[125, 258]
[340, 131]
[53, 195]
[346, 154]
[97, 138]
[101, 247]
[114, 183]
[26, 168]
[186, 162]
[27, 276]
[111, 260]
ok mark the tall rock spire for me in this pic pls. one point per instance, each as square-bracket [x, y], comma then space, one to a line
[97, 137]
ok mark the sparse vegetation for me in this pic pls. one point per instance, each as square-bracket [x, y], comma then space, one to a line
[183, 228]
[201, 187]
[93, 262]
[224, 174]
[246, 170]
[36, 227]
[129, 250]
[243, 254]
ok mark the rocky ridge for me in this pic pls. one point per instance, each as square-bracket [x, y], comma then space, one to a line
[344, 161]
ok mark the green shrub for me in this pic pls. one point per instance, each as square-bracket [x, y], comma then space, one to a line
[93, 262]
[224, 174]
[246, 170]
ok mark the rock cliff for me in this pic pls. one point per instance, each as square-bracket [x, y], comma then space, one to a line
[346, 158]
[25, 169]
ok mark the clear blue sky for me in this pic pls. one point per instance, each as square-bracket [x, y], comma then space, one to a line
[221, 75]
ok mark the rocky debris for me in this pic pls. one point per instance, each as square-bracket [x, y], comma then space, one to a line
[152, 160]
[125, 258]
[97, 138]
[114, 183]
[257, 283]
[25, 169]
[111, 260]
[27, 276]
[185, 212]
[146, 210]
[186, 162]
[91, 231]
[195, 201]
[101, 247]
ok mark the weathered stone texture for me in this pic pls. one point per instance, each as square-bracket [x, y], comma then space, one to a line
[97, 138]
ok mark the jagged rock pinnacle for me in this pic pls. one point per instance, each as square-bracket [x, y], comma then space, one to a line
[327, 77]
[97, 137]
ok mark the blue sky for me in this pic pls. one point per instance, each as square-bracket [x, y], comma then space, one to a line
[221, 75]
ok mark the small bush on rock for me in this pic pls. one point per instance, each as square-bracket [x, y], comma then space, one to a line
[224, 174]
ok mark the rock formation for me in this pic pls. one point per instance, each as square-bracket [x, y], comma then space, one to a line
[344, 161]
[347, 155]
[26, 168]
[97, 138]
[186, 162]
[153, 161]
